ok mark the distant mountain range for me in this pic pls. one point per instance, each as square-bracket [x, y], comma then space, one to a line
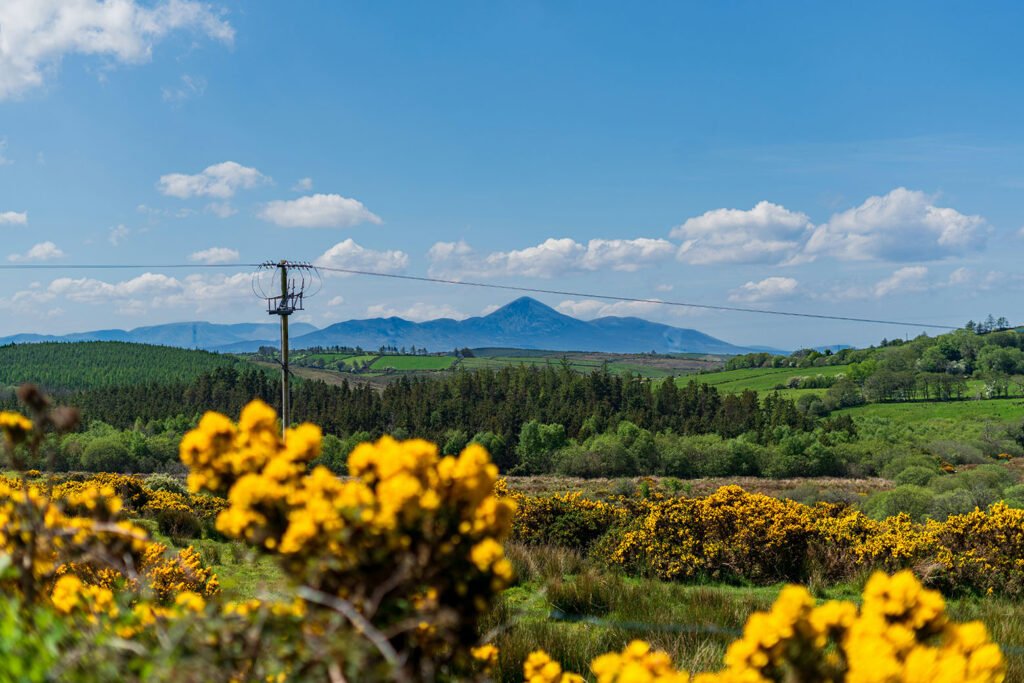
[524, 324]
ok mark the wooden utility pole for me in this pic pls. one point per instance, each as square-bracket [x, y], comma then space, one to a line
[285, 311]
[284, 303]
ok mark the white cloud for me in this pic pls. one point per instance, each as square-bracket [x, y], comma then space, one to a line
[44, 251]
[189, 87]
[37, 34]
[93, 291]
[550, 258]
[588, 309]
[491, 308]
[767, 233]
[903, 225]
[13, 218]
[219, 180]
[625, 255]
[768, 289]
[350, 255]
[960, 276]
[215, 292]
[336, 301]
[664, 288]
[221, 209]
[442, 251]
[194, 293]
[318, 211]
[417, 312]
[303, 185]
[908, 279]
[215, 255]
[117, 234]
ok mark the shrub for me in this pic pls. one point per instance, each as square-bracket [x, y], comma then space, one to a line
[164, 482]
[179, 523]
[955, 502]
[909, 499]
[917, 475]
[107, 454]
[567, 520]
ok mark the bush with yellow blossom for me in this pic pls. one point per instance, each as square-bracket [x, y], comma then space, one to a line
[392, 569]
[900, 634]
[408, 549]
[733, 534]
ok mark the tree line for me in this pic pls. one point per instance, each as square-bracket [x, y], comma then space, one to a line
[483, 405]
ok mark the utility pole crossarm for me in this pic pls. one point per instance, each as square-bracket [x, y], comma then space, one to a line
[290, 299]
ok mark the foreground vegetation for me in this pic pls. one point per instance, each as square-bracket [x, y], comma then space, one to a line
[389, 575]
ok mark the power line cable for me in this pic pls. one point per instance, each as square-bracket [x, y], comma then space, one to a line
[491, 285]
[610, 297]
[120, 266]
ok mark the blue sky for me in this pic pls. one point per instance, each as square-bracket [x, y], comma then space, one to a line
[861, 160]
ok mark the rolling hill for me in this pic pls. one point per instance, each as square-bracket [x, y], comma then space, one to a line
[524, 324]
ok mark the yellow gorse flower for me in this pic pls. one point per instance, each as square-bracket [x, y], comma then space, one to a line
[14, 426]
[406, 517]
[899, 635]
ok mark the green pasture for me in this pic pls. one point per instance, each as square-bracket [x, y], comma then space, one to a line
[969, 410]
[761, 379]
[410, 363]
[325, 357]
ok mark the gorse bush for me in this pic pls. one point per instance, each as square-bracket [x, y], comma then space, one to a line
[734, 535]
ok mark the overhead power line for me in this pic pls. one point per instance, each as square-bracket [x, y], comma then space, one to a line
[120, 266]
[610, 297]
[491, 285]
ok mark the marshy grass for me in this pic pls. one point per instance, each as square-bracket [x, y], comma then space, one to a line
[575, 609]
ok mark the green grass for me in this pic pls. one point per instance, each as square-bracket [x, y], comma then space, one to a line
[360, 359]
[250, 576]
[972, 411]
[577, 365]
[242, 572]
[693, 623]
[761, 379]
[407, 363]
[325, 357]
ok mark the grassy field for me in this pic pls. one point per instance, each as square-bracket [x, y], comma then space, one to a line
[762, 379]
[495, 362]
[325, 357]
[971, 411]
[579, 610]
[654, 368]
[410, 363]
[605, 489]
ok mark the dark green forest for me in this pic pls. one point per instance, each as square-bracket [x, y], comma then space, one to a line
[533, 419]
[89, 365]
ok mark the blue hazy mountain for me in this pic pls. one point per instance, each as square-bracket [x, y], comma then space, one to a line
[522, 324]
[200, 335]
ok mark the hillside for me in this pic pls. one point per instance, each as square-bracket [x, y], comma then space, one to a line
[522, 324]
[199, 335]
[91, 365]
